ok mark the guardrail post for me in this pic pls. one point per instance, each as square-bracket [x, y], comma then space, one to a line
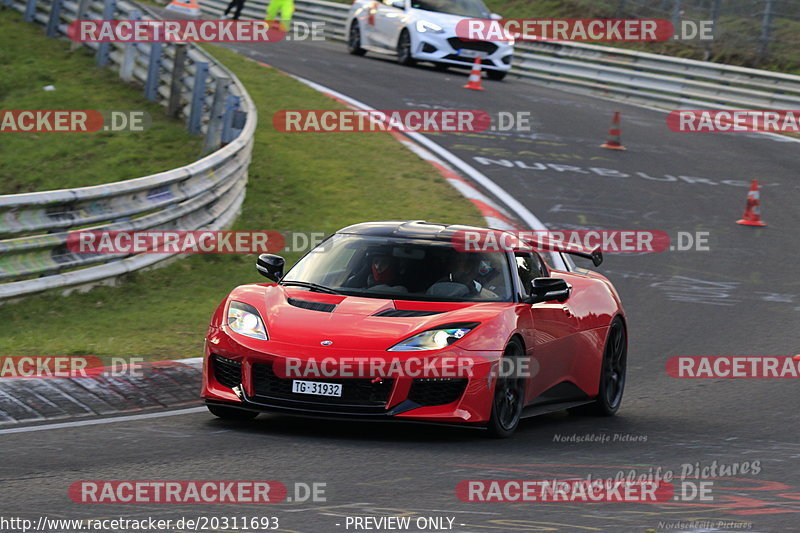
[231, 106]
[30, 10]
[129, 54]
[153, 72]
[83, 6]
[621, 9]
[715, 8]
[54, 18]
[104, 48]
[176, 84]
[676, 13]
[198, 96]
[214, 131]
[766, 30]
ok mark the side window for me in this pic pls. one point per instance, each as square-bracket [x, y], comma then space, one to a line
[529, 267]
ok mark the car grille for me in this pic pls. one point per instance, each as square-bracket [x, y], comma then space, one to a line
[227, 372]
[468, 61]
[480, 46]
[437, 391]
[355, 391]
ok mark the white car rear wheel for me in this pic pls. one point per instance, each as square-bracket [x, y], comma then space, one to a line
[354, 40]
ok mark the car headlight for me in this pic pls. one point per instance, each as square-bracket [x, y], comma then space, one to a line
[425, 26]
[434, 339]
[245, 320]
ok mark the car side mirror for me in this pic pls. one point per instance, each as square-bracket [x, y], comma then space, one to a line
[495, 16]
[549, 289]
[399, 4]
[270, 266]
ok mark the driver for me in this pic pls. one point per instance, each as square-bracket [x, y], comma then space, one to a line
[464, 269]
[386, 274]
[383, 271]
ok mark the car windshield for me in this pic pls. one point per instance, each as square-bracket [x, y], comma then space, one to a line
[402, 269]
[464, 8]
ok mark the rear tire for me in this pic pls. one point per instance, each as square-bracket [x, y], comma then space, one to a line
[231, 413]
[404, 50]
[354, 40]
[508, 399]
[612, 373]
[496, 75]
[441, 67]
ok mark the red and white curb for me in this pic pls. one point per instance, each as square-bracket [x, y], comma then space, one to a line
[154, 385]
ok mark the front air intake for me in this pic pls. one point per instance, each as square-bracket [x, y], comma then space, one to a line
[313, 306]
[227, 372]
[403, 313]
[437, 391]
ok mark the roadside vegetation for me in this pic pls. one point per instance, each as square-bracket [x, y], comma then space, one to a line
[298, 182]
[29, 62]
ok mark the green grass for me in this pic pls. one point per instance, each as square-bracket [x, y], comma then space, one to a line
[300, 182]
[42, 161]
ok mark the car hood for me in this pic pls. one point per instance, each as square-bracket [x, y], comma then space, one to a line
[447, 21]
[305, 318]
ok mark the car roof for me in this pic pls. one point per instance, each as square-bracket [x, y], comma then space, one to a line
[409, 229]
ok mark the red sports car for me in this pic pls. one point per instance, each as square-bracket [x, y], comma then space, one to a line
[394, 320]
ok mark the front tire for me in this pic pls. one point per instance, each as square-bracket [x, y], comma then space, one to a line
[354, 40]
[496, 75]
[404, 50]
[508, 399]
[231, 413]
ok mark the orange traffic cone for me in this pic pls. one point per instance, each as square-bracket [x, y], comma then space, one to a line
[187, 7]
[752, 210]
[613, 142]
[475, 76]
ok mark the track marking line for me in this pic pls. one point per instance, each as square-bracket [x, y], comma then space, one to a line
[98, 421]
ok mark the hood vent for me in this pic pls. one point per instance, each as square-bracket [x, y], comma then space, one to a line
[313, 306]
[403, 313]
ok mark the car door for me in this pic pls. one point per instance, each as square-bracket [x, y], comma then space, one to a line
[369, 26]
[389, 18]
[554, 329]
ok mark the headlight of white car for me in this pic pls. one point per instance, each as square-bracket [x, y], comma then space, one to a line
[434, 339]
[427, 26]
[245, 320]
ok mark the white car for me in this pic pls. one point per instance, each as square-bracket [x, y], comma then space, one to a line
[425, 30]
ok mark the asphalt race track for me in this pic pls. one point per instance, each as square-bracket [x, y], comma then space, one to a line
[740, 298]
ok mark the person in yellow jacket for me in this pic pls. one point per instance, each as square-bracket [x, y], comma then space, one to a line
[286, 7]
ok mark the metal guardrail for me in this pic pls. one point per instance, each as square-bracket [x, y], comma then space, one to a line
[651, 79]
[204, 195]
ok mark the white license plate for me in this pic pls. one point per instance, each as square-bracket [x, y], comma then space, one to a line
[471, 53]
[315, 387]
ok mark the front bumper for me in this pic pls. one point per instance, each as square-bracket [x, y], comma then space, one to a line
[445, 48]
[236, 375]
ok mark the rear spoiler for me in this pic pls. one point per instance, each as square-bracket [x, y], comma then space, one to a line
[595, 255]
[546, 243]
[481, 239]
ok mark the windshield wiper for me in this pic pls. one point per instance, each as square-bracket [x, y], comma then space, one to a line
[311, 286]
